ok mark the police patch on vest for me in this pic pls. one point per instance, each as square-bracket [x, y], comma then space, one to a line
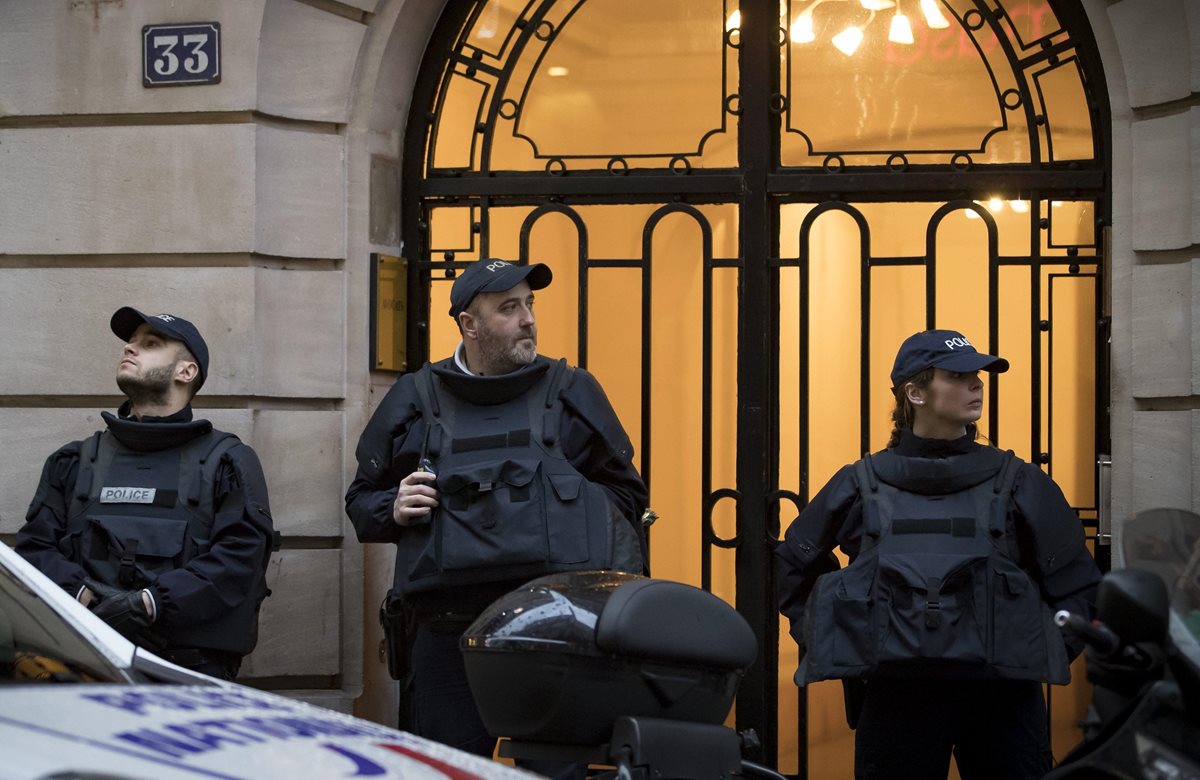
[127, 495]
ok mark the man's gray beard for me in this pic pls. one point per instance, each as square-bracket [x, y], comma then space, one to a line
[505, 359]
[150, 388]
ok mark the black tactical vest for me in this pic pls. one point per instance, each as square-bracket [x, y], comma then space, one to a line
[136, 515]
[511, 506]
[934, 591]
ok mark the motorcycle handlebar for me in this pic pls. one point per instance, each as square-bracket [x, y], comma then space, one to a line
[1099, 636]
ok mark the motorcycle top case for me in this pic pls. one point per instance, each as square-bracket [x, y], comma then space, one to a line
[562, 657]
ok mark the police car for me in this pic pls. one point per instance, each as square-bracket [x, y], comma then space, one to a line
[77, 700]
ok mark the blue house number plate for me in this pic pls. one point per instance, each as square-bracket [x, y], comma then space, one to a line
[175, 55]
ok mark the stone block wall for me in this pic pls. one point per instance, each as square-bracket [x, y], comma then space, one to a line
[241, 205]
[1151, 55]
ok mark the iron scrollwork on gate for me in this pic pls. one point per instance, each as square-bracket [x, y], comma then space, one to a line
[696, 147]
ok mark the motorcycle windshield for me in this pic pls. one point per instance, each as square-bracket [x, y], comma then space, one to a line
[1167, 542]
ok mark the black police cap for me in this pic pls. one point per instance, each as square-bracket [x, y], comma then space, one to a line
[492, 275]
[126, 320]
[947, 349]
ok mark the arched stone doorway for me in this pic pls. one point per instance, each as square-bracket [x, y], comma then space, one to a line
[744, 223]
[303, 138]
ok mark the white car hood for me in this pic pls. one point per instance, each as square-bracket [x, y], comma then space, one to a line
[155, 731]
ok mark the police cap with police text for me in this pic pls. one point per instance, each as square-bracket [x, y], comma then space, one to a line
[126, 320]
[946, 349]
[492, 275]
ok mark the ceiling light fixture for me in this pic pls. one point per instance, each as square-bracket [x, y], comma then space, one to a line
[848, 40]
[802, 28]
[933, 15]
[901, 30]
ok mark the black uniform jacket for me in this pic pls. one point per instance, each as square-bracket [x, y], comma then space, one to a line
[1049, 534]
[389, 450]
[211, 583]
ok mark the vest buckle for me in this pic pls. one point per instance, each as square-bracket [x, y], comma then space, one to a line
[127, 572]
[933, 603]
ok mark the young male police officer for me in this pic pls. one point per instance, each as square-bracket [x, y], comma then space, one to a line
[159, 524]
[487, 469]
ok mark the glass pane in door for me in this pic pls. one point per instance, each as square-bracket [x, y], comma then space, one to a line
[976, 260]
[671, 376]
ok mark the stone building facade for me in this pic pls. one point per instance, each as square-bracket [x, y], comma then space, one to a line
[253, 206]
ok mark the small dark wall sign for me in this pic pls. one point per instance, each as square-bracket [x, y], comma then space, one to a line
[178, 55]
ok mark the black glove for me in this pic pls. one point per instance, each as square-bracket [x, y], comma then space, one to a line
[124, 610]
[100, 592]
[1128, 670]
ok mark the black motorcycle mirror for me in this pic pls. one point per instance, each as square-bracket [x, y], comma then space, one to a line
[1134, 604]
[1143, 657]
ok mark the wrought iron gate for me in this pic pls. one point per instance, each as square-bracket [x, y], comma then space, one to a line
[471, 189]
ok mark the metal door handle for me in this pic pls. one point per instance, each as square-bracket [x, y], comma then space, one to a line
[1104, 502]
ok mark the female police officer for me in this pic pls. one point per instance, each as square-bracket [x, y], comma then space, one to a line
[959, 553]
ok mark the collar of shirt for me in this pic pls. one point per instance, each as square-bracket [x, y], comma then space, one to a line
[460, 359]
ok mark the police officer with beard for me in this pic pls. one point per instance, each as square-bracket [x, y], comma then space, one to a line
[487, 469]
[159, 524]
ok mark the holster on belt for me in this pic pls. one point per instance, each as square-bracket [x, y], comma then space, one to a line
[397, 621]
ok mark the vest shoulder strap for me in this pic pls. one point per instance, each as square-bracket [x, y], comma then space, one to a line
[201, 458]
[1006, 477]
[868, 480]
[868, 487]
[432, 411]
[427, 398]
[89, 453]
[1002, 487]
[544, 422]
